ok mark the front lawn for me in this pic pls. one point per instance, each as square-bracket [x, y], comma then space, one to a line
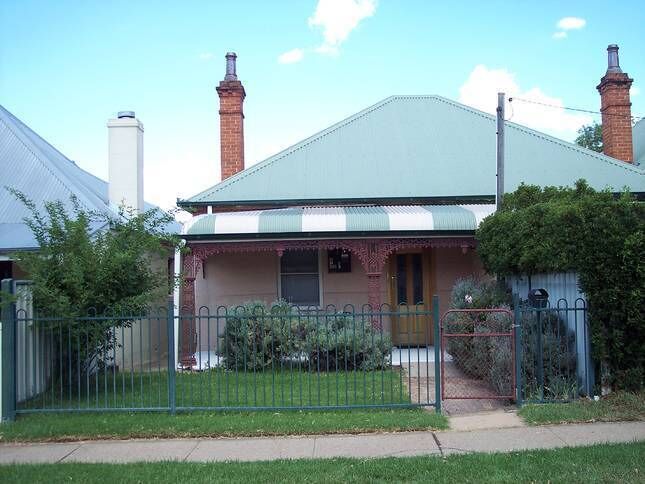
[615, 407]
[225, 388]
[86, 426]
[600, 463]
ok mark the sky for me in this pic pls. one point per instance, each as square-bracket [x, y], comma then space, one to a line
[66, 67]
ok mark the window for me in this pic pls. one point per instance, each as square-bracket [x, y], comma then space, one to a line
[5, 269]
[300, 277]
[339, 260]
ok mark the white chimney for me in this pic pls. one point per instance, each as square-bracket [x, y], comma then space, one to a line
[125, 161]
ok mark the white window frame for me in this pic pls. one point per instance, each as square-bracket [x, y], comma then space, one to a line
[321, 304]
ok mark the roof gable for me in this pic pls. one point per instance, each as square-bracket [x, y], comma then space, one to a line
[416, 147]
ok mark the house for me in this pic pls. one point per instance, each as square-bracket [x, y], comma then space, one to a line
[33, 166]
[379, 208]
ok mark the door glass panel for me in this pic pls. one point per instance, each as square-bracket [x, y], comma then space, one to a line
[401, 280]
[417, 279]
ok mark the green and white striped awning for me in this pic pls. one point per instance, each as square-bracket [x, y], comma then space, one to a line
[293, 220]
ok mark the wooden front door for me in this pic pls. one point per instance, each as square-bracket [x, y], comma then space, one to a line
[410, 294]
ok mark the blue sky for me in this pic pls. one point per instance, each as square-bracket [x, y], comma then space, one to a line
[66, 67]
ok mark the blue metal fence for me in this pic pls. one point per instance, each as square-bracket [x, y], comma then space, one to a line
[258, 358]
[245, 358]
[553, 352]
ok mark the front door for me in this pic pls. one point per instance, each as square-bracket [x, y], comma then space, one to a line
[410, 295]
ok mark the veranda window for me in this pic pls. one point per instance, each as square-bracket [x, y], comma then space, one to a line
[300, 277]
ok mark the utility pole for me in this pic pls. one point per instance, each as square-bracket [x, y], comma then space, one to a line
[500, 150]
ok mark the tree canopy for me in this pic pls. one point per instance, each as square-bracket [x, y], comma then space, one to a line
[110, 267]
[590, 137]
[99, 262]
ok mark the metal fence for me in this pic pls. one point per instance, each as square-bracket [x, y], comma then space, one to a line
[246, 358]
[479, 360]
[553, 354]
[257, 358]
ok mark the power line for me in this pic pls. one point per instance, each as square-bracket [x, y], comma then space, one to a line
[634, 118]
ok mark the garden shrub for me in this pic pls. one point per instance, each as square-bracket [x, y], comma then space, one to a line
[341, 343]
[559, 365]
[491, 358]
[599, 236]
[258, 337]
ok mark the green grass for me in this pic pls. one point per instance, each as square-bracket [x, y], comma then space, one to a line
[221, 388]
[600, 463]
[86, 426]
[615, 407]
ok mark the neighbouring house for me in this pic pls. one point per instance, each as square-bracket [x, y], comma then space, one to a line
[33, 166]
[379, 208]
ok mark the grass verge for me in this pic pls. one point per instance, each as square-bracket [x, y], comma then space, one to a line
[615, 407]
[600, 463]
[69, 427]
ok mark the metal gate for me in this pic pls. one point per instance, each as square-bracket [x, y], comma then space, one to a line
[477, 354]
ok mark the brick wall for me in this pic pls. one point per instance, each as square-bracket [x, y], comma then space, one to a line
[231, 97]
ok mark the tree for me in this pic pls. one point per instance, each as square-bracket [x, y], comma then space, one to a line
[93, 264]
[590, 137]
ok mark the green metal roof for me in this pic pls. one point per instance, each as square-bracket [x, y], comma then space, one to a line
[408, 147]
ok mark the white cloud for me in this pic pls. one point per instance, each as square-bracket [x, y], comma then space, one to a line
[560, 35]
[571, 23]
[337, 19]
[634, 91]
[291, 56]
[206, 55]
[481, 88]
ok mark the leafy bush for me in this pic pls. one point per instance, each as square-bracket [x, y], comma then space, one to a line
[89, 264]
[341, 344]
[474, 292]
[491, 358]
[597, 235]
[559, 374]
[257, 338]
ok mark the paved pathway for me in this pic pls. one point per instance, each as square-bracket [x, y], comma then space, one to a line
[365, 445]
[419, 381]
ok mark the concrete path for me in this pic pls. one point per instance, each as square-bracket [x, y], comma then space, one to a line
[362, 446]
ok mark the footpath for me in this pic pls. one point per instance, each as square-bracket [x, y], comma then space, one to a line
[509, 439]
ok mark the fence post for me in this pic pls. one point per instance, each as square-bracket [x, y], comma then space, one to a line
[540, 355]
[437, 353]
[517, 327]
[8, 354]
[170, 331]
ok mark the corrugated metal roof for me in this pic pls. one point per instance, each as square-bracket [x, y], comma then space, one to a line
[417, 147]
[639, 142]
[400, 218]
[34, 167]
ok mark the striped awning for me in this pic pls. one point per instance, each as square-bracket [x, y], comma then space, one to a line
[293, 220]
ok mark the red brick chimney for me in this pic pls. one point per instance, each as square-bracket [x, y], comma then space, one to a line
[231, 120]
[615, 106]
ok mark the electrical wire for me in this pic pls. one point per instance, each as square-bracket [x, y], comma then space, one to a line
[634, 118]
